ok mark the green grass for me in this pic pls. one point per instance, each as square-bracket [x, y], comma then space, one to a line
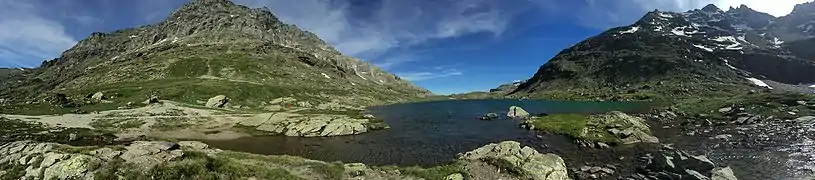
[14, 130]
[171, 123]
[197, 165]
[574, 126]
[117, 123]
[567, 124]
[432, 173]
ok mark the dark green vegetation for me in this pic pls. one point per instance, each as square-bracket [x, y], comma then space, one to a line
[12, 130]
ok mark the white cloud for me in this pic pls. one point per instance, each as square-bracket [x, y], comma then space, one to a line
[425, 75]
[27, 38]
[370, 30]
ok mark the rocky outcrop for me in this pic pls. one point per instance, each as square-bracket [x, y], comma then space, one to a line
[166, 160]
[218, 101]
[489, 116]
[56, 161]
[676, 164]
[628, 129]
[517, 112]
[511, 156]
[307, 125]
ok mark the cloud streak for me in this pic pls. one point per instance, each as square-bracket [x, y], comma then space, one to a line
[25, 35]
[425, 75]
[370, 30]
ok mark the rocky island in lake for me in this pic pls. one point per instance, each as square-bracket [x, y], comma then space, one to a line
[219, 90]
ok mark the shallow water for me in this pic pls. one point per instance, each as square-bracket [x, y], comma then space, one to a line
[431, 133]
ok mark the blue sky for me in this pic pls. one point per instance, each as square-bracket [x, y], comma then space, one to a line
[446, 46]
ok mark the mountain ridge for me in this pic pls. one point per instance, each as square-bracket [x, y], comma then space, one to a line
[702, 51]
[203, 46]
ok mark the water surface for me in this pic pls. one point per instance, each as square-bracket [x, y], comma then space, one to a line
[429, 133]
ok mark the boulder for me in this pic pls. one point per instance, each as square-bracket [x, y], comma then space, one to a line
[634, 129]
[79, 166]
[725, 110]
[151, 100]
[517, 112]
[97, 97]
[676, 163]
[315, 125]
[456, 176]
[723, 173]
[529, 163]
[218, 101]
[489, 116]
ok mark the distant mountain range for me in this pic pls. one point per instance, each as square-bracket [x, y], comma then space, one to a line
[700, 52]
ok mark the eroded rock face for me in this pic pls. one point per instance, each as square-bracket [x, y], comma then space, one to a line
[517, 112]
[311, 125]
[526, 160]
[628, 128]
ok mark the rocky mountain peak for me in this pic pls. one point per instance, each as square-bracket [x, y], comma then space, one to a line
[804, 9]
[711, 8]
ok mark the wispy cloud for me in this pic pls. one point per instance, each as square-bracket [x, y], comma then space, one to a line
[24, 35]
[370, 29]
[425, 75]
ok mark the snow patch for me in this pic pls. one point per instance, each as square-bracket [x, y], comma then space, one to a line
[734, 44]
[665, 15]
[232, 15]
[658, 28]
[114, 58]
[678, 33]
[353, 84]
[632, 30]
[703, 47]
[813, 86]
[742, 26]
[175, 39]
[133, 36]
[759, 83]
[777, 42]
[326, 76]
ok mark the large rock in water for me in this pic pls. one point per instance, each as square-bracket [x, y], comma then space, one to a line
[312, 125]
[628, 129]
[517, 112]
[218, 101]
[526, 160]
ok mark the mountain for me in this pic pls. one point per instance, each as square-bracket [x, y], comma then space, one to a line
[206, 48]
[702, 52]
